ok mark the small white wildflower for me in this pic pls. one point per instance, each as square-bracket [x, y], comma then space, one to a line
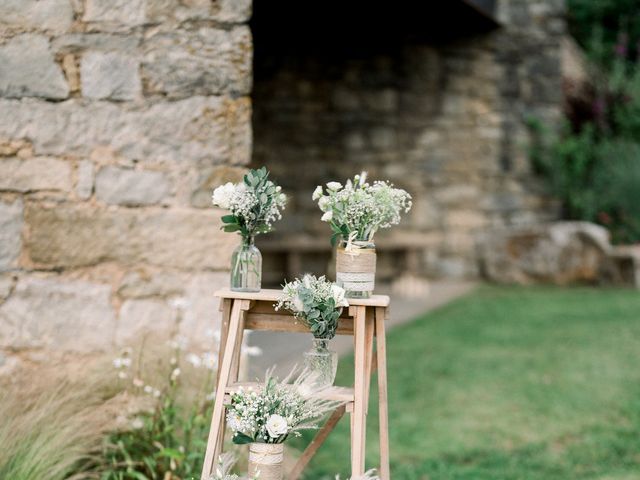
[122, 375]
[334, 186]
[148, 389]
[137, 423]
[173, 361]
[157, 393]
[175, 374]
[317, 193]
[137, 382]
[194, 360]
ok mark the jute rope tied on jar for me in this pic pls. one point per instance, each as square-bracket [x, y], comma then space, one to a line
[266, 459]
[356, 268]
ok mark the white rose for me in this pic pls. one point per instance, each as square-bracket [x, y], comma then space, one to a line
[317, 193]
[334, 186]
[327, 217]
[338, 294]
[222, 195]
[277, 426]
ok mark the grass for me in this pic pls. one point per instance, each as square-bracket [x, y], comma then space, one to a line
[510, 383]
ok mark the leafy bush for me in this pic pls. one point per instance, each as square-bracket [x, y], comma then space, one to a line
[594, 163]
[165, 437]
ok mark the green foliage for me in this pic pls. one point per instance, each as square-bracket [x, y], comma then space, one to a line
[165, 437]
[506, 384]
[49, 426]
[603, 26]
[594, 168]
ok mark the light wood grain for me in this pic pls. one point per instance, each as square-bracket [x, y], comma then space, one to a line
[273, 295]
[316, 443]
[359, 415]
[383, 407]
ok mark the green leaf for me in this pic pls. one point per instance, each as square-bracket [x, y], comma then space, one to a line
[242, 439]
[231, 228]
[229, 219]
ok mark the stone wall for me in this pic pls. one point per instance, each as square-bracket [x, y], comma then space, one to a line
[445, 120]
[116, 118]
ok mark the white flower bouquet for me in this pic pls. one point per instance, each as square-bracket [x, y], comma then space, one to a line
[276, 410]
[357, 210]
[255, 203]
[316, 302]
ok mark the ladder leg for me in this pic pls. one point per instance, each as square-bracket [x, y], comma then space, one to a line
[214, 442]
[358, 430]
[381, 347]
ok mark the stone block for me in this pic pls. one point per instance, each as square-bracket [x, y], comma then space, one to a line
[121, 186]
[6, 285]
[206, 61]
[110, 75]
[212, 178]
[57, 314]
[557, 253]
[152, 282]
[40, 173]
[141, 317]
[115, 13]
[10, 233]
[201, 318]
[232, 10]
[52, 15]
[211, 129]
[84, 179]
[29, 69]
[77, 235]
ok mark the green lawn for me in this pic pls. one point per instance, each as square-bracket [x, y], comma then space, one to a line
[510, 383]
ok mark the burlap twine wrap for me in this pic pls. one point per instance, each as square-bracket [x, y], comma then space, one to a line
[356, 269]
[267, 459]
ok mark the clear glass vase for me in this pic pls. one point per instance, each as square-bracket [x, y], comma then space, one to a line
[246, 267]
[322, 362]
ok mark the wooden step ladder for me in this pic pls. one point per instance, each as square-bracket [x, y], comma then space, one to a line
[364, 319]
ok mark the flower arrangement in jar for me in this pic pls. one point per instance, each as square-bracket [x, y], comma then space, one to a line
[266, 416]
[356, 211]
[254, 205]
[317, 303]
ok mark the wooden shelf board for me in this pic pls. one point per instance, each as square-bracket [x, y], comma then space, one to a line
[339, 394]
[273, 295]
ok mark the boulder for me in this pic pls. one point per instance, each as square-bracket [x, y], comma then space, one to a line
[558, 253]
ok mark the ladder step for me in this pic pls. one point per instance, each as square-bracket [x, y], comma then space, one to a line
[340, 394]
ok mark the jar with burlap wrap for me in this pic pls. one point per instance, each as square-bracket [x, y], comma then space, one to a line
[356, 268]
[265, 461]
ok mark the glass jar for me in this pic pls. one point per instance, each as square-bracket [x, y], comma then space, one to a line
[321, 362]
[246, 267]
[356, 268]
[265, 461]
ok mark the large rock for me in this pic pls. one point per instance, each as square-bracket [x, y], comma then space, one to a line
[558, 253]
[53, 313]
[40, 173]
[123, 186]
[29, 69]
[110, 75]
[10, 233]
[84, 180]
[143, 317]
[54, 15]
[206, 61]
[75, 236]
[214, 129]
